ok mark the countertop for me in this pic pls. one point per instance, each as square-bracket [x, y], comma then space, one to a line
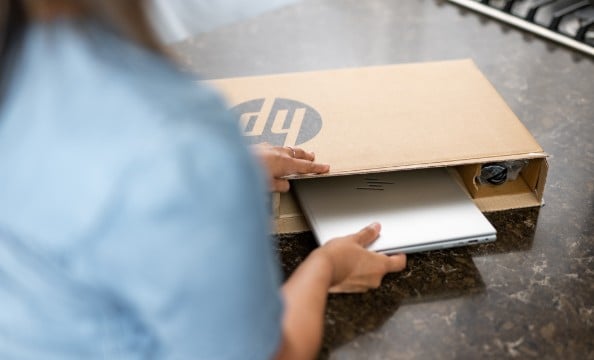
[528, 295]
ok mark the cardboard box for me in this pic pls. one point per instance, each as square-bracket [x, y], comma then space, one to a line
[392, 118]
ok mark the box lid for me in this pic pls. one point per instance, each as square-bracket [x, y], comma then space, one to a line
[383, 118]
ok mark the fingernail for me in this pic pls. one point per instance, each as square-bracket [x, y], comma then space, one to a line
[375, 226]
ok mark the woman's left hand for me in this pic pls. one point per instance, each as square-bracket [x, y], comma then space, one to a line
[283, 161]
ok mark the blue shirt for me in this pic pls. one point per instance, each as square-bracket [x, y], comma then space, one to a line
[133, 222]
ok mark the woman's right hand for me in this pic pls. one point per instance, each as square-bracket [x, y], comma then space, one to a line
[354, 268]
[341, 265]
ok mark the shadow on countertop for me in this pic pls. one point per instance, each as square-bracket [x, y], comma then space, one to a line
[429, 276]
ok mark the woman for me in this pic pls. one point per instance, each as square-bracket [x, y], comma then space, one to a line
[132, 215]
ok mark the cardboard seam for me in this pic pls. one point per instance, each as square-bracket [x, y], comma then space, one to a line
[426, 165]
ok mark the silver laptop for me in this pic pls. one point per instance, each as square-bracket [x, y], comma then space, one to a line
[419, 210]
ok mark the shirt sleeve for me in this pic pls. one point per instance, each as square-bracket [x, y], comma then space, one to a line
[185, 246]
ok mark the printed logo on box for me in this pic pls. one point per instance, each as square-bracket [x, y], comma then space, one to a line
[280, 122]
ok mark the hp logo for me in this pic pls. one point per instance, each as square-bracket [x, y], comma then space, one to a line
[280, 122]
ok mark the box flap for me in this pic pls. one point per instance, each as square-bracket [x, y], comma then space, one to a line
[383, 118]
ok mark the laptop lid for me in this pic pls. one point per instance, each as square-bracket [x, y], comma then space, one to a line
[419, 210]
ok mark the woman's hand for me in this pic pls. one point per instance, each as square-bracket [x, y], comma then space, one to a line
[283, 161]
[354, 268]
[342, 265]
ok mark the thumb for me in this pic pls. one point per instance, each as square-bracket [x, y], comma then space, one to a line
[368, 234]
[396, 262]
[280, 185]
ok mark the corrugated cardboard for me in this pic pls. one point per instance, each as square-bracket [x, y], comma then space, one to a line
[392, 118]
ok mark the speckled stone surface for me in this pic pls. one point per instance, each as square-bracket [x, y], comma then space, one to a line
[530, 295]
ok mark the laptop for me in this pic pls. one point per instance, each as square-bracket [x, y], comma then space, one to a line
[419, 210]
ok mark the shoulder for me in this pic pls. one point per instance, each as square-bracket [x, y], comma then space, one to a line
[90, 120]
[138, 176]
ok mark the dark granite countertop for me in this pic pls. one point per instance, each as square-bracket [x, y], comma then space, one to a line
[528, 295]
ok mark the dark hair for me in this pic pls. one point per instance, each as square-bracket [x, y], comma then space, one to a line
[13, 22]
[125, 17]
